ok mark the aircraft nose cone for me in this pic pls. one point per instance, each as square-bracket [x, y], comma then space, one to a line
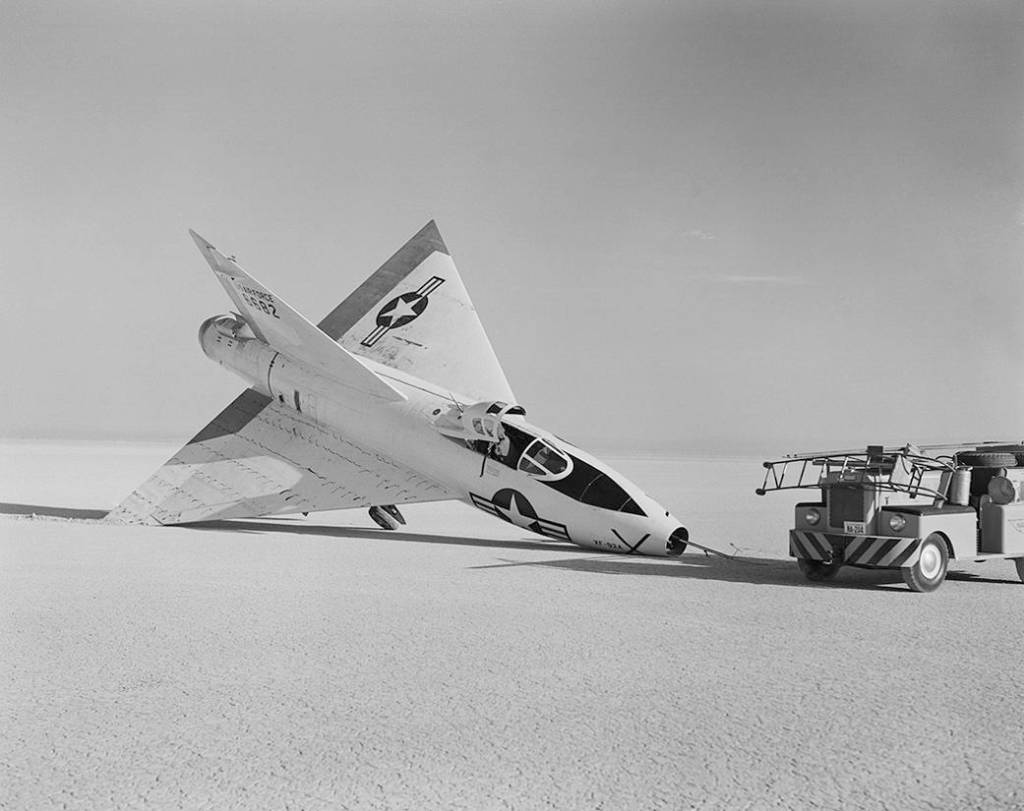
[677, 542]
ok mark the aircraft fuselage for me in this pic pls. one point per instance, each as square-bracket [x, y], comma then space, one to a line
[590, 505]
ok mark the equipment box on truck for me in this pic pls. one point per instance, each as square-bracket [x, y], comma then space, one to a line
[898, 508]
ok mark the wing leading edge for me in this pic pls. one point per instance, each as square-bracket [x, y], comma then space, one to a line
[414, 314]
[259, 457]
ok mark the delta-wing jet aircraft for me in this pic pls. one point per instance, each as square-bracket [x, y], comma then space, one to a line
[396, 397]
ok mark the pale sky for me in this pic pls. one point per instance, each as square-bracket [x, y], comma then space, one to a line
[704, 226]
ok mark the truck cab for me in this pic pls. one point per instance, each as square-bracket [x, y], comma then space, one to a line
[899, 508]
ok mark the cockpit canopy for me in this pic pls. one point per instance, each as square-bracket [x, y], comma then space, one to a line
[531, 451]
[544, 460]
[518, 446]
[480, 421]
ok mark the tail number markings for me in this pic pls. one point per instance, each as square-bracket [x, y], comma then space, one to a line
[258, 300]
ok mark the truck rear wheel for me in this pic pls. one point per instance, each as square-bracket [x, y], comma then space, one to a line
[818, 570]
[1019, 563]
[929, 571]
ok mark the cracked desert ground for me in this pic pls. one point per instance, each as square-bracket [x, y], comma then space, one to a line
[320, 663]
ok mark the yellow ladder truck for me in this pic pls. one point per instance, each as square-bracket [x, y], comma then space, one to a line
[898, 508]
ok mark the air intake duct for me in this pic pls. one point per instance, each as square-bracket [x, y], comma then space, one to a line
[677, 542]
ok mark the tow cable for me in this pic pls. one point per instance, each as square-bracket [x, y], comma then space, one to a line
[708, 551]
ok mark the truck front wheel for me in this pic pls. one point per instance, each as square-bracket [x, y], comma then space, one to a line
[930, 570]
[817, 570]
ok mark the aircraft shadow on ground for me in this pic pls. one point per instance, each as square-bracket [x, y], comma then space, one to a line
[693, 566]
[294, 527]
[48, 511]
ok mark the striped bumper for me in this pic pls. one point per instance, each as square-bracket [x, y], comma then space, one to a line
[864, 550]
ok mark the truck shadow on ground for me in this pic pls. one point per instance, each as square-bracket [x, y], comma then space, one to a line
[692, 565]
[755, 571]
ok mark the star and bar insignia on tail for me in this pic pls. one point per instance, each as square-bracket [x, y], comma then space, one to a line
[402, 309]
[512, 506]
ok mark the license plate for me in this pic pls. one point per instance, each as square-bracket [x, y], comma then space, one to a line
[855, 528]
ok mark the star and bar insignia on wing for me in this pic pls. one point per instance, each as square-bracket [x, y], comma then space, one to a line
[402, 309]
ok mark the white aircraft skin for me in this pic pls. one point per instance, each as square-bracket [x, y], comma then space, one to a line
[405, 433]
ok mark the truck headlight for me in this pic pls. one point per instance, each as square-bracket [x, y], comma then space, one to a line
[812, 517]
[897, 522]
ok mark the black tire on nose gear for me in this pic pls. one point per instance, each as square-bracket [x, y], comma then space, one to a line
[818, 570]
[382, 518]
[929, 571]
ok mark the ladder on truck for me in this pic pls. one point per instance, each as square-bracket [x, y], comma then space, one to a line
[897, 470]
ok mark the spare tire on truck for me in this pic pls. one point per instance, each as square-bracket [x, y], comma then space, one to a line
[987, 458]
[1016, 450]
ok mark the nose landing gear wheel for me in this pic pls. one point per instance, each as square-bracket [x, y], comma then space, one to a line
[930, 570]
[817, 570]
[387, 516]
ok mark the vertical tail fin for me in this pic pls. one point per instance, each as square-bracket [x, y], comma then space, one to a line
[277, 324]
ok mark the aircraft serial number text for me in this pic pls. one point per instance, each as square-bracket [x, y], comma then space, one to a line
[615, 547]
[259, 300]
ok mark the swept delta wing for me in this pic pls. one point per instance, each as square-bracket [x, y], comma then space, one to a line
[259, 457]
[415, 315]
